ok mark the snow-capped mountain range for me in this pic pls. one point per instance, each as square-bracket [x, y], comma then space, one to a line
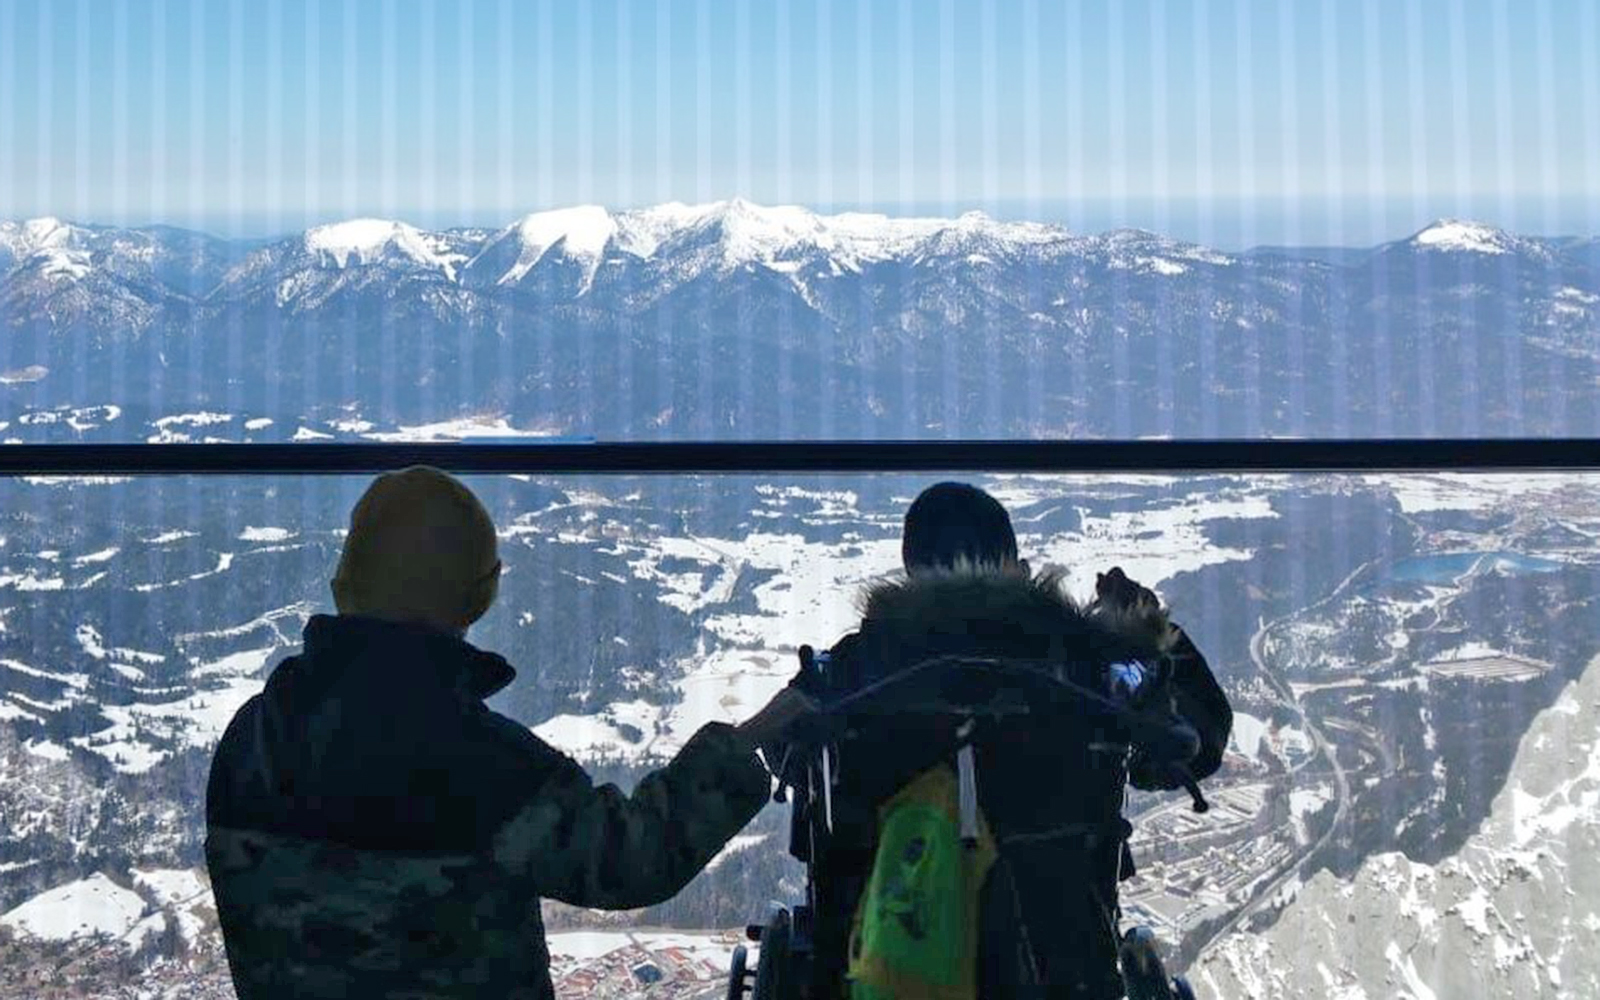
[663, 322]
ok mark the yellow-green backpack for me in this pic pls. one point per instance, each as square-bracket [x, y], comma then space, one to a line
[915, 932]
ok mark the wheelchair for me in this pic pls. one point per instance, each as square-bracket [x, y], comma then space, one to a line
[966, 693]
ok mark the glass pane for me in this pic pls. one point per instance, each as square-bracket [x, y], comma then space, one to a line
[282, 222]
[1405, 656]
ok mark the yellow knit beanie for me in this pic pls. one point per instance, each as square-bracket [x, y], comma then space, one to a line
[421, 549]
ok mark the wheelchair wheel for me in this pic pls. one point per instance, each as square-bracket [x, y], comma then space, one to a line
[773, 975]
[738, 974]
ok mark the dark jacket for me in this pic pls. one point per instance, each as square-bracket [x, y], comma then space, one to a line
[1035, 781]
[374, 830]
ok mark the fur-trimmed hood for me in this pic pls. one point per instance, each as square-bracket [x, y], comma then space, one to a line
[977, 605]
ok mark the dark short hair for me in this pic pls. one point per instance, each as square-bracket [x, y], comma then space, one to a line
[954, 521]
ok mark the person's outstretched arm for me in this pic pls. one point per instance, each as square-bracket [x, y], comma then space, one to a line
[593, 846]
[1195, 694]
[1200, 700]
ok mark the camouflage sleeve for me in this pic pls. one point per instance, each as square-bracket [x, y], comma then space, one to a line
[593, 846]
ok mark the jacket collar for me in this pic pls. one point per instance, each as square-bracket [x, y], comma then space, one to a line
[349, 637]
[930, 602]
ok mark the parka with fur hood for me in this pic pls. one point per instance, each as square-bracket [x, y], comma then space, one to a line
[1053, 801]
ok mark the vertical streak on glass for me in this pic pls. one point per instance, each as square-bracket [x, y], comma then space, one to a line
[119, 171]
[787, 386]
[743, 356]
[666, 363]
[467, 334]
[1117, 90]
[424, 152]
[1422, 376]
[586, 346]
[312, 169]
[822, 73]
[272, 163]
[1293, 185]
[511, 337]
[1589, 127]
[44, 112]
[350, 127]
[11, 201]
[1248, 103]
[910, 359]
[1337, 352]
[234, 130]
[197, 193]
[82, 155]
[1461, 131]
[82, 140]
[1382, 424]
[1510, 374]
[308, 337]
[266, 387]
[393, 365]
[349, 123]
[991, 386]
[157, 179]
[1032, 165]
[1243, 194]
[1550, 184]
[1550, 179]
[119, 120]
[508, 331]
[1080, 332]
[623, 166]
[1161, 183]
[863, 335]
[950, 383]
[624, 172]
[586, 351]
[703, 333]
[1589, 123]
[101, 504]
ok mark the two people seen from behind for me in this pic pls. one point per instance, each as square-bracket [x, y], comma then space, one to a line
[375, 830]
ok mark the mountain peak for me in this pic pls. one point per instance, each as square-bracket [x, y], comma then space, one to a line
[45, 229]
[583, 231]
[367, 240]
[1464, 235]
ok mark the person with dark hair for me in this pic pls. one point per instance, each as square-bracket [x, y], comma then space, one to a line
[374, 830]
[952, 522]
[1048, 913]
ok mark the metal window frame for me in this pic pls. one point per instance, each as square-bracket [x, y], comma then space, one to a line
[1482, 455]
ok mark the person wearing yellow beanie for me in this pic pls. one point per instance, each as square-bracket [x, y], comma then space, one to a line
[421, 549]
[375, 830]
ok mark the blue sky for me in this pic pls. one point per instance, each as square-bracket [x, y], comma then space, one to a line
[1242, 121]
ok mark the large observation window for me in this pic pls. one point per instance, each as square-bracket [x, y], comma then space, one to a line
[1403, 651]
[1290, 310]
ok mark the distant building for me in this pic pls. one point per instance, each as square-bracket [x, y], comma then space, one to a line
[647, 973]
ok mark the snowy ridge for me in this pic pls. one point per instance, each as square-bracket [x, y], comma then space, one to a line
[1461, 236]
[47, 243]
[731, 234]
[367, 240]
[583, 233]
[1516, 913]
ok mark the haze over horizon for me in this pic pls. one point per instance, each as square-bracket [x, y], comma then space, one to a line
[1231, 226]
[1227, 123]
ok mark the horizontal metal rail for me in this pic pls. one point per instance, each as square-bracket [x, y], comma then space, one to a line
[633, 458]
